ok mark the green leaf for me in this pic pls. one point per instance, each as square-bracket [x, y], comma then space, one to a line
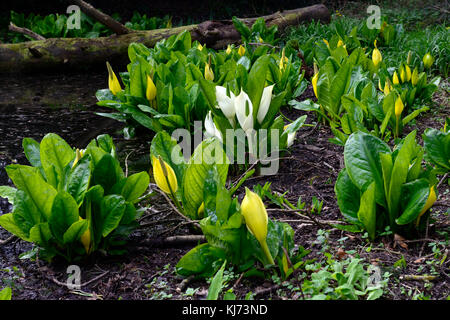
[414, 195]
[79, 179]
[414, 114]
[107, 172]
[256, 81]
[135, 186]
[29, 180]
[362, 160]
[367, 210]
[41, 234]
[8, 223]
[75, 231]
[6, 294]
[208, 154]
[31, 149]
[198, 261]
[437, 147]
[112, 210]
[56, 154]
[216, 284]
[8, 193]
[64, 214]
[348, 196]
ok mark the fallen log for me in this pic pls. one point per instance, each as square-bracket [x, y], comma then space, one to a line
[80, 54]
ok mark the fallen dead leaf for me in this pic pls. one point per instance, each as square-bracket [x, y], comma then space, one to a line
[398, 239]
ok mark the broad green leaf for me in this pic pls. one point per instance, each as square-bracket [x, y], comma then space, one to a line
[437, 147]
[8, 223]
[107, 172]
[414, 196]
[198, 261]
[8, 192]
[135, 186]
[5, 294]
[256, 81]
[41, 234]
[367, 210]
[112, 210]
[348, 196]
[208, 154]
[31, 149]
[362, 160]
[25, 213]
[56, 154]
[75, 231]
[79, 179]
[64, 214]
[29, 180]
[399, 175]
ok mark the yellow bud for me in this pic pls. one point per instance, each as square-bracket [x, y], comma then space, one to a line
[408, 73]
[86, 239]
[201, 210]
[113, 82]
[314, 83]
[78, 155]
[415, 76]
[395, 78]
[255, 216]
[340, 43]
[376, 57]
[283, 60]
[164, 176]
[379, 85]
[399, 107]
[241, 51]
[428, 60]
[260, 40]
[228, 49]
[430, 201]
[326, 42]
[386, 88]
[200, 47]
[151, 89]
[402, 74]
[209, 74]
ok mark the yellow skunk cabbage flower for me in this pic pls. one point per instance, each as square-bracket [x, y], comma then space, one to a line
[314, 83]
[402, 74]
[408, 73]
[150, 93]
[387, 88]
[260, 39]
[200, 47]
[78, 155]
[326, 42]
[415, 76]
[340, 43]
[430, 201]
[241, 51]
[228, 49]
[395, 78]
[113, 82]
[164, 176]
[86, 239]
[399, 107]
[209, 74]
[376, 55]
[283, 60]
[201, 210]
[255, 215]
[428, 60]
[379, 85]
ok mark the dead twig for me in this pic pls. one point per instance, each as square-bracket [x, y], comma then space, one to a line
[8, 240]
[183, 284]
[442, 180]
[25, 31]
[413, 277]
[81, 285]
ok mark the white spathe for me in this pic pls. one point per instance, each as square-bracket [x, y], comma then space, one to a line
[264, 105]
[245, 119]
[210, 127]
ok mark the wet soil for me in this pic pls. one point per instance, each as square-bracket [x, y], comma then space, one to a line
[65, 104]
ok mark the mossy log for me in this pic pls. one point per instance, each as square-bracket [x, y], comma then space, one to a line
[80, 54]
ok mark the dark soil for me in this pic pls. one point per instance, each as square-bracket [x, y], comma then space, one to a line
[65, 104]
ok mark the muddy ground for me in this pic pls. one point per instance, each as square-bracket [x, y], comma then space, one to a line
[32, 106]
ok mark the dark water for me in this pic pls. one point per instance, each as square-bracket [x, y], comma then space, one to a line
[34, 105]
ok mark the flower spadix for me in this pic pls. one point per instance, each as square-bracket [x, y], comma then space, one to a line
[255, 216]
